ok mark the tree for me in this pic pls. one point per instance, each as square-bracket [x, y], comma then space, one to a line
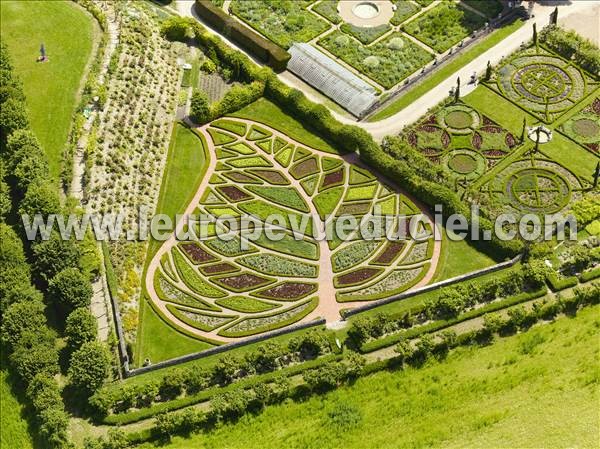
[200, 107]
[596, 175]
[44, 393]
[310, 345]
[35, 353]
[89, 367]
[54, 255]
[524, 130]
[488, 71]
[5, 200]
[81, 327]
[21, 317]
[176, 29]
[356, 363]
[225, 369]
[70, 289]
[326, 377]
[264, 359]
[22, 141]
[535, 35]
[404, 350]
[54, 425]
[457, 91]
[13, 116]
[41, 198]
[29, 167]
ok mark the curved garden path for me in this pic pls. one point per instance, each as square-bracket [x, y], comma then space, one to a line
[327, 308]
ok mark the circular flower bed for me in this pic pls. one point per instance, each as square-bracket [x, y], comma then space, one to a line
[538, 190]
[465, 163]
[462, 163]
[586, 127]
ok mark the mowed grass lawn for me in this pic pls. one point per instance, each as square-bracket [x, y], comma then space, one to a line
[536, 389]
[270, 114]
[51, 88]
[14, 433]
[185, 168]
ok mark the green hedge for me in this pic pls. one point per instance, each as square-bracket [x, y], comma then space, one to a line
[590, 275]
[205, 395]
[265, 50]
[557, 284]
[442, 324]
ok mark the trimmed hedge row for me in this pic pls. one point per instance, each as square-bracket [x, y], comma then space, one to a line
[590, 275]
[205, 395]
[572, 46]
[268, 52]
[442, 324]
[557, 284]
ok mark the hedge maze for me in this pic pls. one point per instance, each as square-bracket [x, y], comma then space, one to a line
[225, 289]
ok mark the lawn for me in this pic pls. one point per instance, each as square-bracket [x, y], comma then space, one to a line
[509, 394]
[51, 88]
[159, 341]
[459, 257]
[445, 71]
[184, 170]
[14, 432]
[270, 114]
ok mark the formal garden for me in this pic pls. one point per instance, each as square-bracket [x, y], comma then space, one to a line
[214, 342]
[385, 53]
[232, 288]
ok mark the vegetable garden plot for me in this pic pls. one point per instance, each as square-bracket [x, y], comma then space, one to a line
[227, 289]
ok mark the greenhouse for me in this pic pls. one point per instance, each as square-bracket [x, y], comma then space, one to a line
[331, 78]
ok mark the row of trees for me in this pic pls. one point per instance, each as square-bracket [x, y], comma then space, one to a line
[63, 269]
[450, 302]
[188, 381]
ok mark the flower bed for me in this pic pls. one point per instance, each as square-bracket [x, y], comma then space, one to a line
[444, 26]
[305, 168]
[233, 193]
[365, 35]
[204, 322]
[356, 277]
[237, 176]
[353, 254]
[242, 282]
[332, 179]
[218, 268]
[387, 62]
[392, 284]
[170, 293]
[281, 22]
[390, 253]
[271, 176]
[244, 162]
[327, 201]
[278, 265]
[284, 196]
[361, 193]
[196, 253]
[328, 9]
[288, 291]
[229, 248]
[245, 305]
[193, 280]
[258, 325]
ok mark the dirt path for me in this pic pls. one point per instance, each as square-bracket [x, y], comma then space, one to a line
[327, 307]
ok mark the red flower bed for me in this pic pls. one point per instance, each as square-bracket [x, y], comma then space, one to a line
[271, 176]
[429, 128]
[488, 122]
[305, 168]
[245, 281]
[510, 140]
[492, 129]
[333, 178]
[596, 106]
[219, 268]
[445, 139]
[240, 177]
[494, 153]
[196, 253]
[390, 252]
[429, 151]
[233, 193]
[477, 141]
[432, 119]
[412, 138]
[360, 275]
[289, 290]
[593, 147]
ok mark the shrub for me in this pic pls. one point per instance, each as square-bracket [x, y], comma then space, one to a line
[70, 289]
[200, 107]
[19, 318]
[81, 327]
[89, 367]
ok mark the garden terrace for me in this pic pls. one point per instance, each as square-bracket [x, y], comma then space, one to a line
[249, 288]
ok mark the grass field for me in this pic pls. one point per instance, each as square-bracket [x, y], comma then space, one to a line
[458, 257]
[51, 88]
[159, 341]
[445, 71]
[186, 165]
[270, 114]
[512, 393]
[14, 433]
